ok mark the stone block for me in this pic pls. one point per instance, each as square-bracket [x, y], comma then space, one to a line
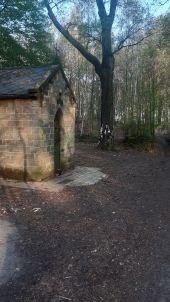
[3, 124]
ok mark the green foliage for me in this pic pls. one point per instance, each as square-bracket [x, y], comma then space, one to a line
[141, 142]
[23, 35]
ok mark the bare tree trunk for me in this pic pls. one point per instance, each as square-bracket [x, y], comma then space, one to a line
[82, 124]
[104, 69]
[107, 108]
[107, 98]
[107, 87]
[92, 103]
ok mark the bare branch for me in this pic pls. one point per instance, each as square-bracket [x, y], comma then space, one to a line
[101, 9]
[164, 2]
[113, 6]
[104, 17]
[132, 44]
[128, 36]
[86, 54]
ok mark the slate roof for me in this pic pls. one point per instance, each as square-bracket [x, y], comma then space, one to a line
[24, 82]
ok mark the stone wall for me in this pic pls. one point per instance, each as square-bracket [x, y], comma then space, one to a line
[27, 133]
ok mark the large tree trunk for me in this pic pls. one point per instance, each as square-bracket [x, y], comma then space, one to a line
[107, 98]
[107, 106]
[104, 69]
[107, 109]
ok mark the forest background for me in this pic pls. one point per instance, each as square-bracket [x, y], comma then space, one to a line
[140, 38]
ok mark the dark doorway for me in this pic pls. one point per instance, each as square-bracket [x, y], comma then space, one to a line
[57, 139]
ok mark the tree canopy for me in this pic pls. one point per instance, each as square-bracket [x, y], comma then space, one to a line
[24, 35]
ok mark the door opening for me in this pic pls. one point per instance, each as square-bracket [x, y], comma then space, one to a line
[57, 139]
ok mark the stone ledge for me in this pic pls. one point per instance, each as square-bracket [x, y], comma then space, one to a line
[19, 174]
[80, 176]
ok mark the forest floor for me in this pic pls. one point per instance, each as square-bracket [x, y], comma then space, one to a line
[105, 242]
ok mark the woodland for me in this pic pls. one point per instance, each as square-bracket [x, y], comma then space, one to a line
[110, 240]
[116, 55]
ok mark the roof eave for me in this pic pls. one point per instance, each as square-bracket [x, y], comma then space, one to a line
[18, 96]
[45, 80]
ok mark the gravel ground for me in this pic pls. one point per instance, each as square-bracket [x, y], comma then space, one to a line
[106, 242]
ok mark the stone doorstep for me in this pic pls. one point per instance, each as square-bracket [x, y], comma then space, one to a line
[80, 176]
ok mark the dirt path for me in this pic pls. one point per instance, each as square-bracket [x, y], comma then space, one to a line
[10, 264]
[106, 242]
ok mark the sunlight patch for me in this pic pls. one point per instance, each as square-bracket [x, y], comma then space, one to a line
[81, 176]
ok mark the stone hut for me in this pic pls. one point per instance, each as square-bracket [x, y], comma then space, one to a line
[37, 123]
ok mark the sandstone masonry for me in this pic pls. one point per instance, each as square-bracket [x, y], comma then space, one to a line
[28, 133]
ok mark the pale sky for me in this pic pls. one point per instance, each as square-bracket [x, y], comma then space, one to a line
[159, 9]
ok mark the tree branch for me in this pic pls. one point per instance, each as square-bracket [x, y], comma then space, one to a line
[128, 36]
[101, 9]
[86, 54]
[164, 2]
[113, 6]
[104, 17]
[132, 44]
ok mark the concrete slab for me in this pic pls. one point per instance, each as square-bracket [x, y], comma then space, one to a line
[80, 176]
[9, 261]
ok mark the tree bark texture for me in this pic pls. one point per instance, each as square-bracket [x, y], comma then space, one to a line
[107, 109]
